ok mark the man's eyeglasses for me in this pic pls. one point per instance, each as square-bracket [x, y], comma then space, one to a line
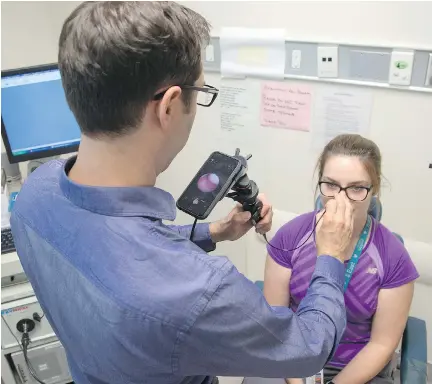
[353, 192]
[206, 94]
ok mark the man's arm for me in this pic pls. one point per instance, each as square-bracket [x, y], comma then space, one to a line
[232, 227]
[201, 236]
[239, 334]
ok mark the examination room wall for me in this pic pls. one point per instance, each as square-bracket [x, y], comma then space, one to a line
[283, 160]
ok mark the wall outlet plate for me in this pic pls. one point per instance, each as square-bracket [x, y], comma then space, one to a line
[296, 59]
[401, 64]
[327, 61]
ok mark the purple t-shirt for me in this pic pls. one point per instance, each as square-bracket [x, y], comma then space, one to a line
[384, 263]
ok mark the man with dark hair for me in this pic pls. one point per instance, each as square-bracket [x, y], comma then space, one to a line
[132, 299]
[115, 57]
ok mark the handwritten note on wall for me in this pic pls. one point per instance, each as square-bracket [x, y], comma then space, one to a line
[234, 102]
[286, 105]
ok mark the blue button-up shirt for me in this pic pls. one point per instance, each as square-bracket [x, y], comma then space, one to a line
[132, 300]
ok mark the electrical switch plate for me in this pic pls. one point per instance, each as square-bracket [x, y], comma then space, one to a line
[296, 59]
[429, 72]
[209, 53]
[401, 64]
[327, 61]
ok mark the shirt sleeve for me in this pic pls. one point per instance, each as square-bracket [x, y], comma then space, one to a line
[276, 247]
[201, 236]
[399, 269]
[239, 334]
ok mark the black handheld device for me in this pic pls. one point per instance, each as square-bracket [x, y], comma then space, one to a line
[245, 191]
[212, 182]
[220, 174]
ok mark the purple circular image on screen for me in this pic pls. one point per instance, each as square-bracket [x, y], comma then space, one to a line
[208, 182]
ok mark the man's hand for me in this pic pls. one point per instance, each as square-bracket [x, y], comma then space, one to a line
[334, 231]
[238, 223]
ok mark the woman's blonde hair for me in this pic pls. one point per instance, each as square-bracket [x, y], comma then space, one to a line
[354, 145]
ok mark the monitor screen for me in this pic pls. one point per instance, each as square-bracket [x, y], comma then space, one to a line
[36, 119]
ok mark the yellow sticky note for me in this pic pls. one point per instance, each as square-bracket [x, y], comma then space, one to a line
[252, 56]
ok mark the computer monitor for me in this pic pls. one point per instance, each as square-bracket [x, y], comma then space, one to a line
[35, 117]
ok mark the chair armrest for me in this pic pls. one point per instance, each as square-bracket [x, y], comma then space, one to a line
[414, 353]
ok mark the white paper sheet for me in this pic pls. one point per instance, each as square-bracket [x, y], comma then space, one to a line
[235, 106]
[340, 110]
[252, 52]
[5, 215]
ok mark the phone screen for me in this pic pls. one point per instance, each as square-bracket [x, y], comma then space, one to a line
[212, 180]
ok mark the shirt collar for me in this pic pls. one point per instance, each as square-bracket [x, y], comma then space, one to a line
[118, 201]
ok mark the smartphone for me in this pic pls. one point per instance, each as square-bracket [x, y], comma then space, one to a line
[210, 185]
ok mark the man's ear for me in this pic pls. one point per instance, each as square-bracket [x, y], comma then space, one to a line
[170, 103]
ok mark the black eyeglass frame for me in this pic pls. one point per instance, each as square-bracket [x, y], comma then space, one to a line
[368, 189]
[206, 88]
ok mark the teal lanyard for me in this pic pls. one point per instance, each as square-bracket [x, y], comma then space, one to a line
[357, 252]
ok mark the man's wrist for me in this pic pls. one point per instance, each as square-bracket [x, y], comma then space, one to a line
[217, 231]
[340, 259]
[332, 268]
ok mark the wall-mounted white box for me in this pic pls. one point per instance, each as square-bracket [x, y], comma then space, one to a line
[401, 64]
[327, 61]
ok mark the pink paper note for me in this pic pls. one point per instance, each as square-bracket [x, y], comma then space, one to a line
[286, 105]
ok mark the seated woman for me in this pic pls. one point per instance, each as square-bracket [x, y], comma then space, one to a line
[379, 289]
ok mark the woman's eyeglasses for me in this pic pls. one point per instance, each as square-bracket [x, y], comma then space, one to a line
[206, 94]
[353, 192]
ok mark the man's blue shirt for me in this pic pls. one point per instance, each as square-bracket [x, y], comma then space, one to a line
[132, 300]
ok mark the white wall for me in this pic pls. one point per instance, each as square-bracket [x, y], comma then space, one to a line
[401, 122]
[30, 31]
[406, 23]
